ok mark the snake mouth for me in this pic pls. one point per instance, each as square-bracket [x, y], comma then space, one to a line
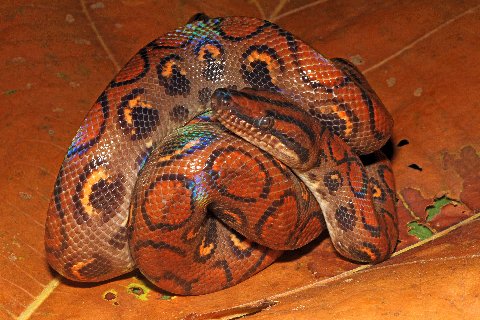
[229, 114]
[225, 112]
[242, 128]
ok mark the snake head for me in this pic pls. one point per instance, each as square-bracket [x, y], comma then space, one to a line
[271, 122]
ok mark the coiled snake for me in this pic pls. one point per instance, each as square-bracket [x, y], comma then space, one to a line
[195, 207]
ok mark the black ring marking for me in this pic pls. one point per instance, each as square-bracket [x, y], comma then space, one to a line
[362, 256]
[223, 264]
[187, 184]
[81, 149]
[159, 245]
[220, 212]
[253, 269]
[185, 284]
[259, 30]
[353, 75]
[271, 211]
[57, 191]
[381, 173]
[143, 53]
[222, 188]
[339, 126]
[362, 193]
[375, 231]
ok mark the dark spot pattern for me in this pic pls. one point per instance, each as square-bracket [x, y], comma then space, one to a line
[137, 117]
[97, 194]
[204, 95]
[345, 217]
[211, 53]
[258, 61]
[91, 268]
[333, 180]
[107, 196]
[341, 120]
[179, 114]
[172, 77]
[119, 239]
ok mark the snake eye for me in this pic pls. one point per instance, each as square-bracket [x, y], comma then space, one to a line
[265, 122]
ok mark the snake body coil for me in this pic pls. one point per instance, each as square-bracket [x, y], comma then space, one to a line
[198, 209]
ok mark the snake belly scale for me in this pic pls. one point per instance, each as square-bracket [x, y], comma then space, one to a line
[151, 182]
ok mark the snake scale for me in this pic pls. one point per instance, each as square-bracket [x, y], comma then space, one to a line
[200, 200]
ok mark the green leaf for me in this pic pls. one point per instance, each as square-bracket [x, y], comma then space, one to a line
[419, 230]
[437, 206]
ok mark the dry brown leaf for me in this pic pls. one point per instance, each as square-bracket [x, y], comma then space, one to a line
[421, 58]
